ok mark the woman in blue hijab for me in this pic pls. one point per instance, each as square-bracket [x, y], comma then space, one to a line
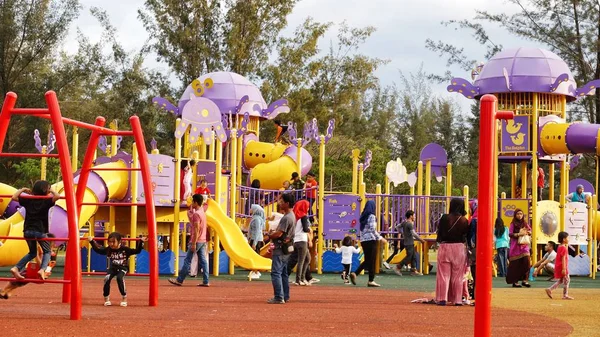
[368, 240]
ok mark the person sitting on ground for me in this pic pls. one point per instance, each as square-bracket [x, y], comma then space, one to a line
[547, 262]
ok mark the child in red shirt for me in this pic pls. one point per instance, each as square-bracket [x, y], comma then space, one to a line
[311, 192]
[203, 188]
[561, 267]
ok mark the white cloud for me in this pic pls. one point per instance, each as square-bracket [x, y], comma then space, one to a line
[402, 27]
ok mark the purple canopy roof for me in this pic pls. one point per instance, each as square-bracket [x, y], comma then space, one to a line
[528, 70]
[227, 91]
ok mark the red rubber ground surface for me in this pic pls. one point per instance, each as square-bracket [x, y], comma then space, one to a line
[230, 308]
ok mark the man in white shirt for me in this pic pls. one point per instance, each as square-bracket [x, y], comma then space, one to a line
[547, 261]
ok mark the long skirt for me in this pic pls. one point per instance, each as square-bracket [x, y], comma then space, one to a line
[452, 263]
[518, 270]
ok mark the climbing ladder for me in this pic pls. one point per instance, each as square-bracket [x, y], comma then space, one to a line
[74, 197]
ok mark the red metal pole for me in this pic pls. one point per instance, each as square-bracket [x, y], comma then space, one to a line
[150, 211]
[73, 252]
[485, 219]
[9, 104]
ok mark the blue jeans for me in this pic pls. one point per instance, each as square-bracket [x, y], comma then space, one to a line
[279, 276]
[502, 261]
[32, 244]
[202, 262]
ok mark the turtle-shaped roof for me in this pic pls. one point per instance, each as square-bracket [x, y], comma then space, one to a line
[528, 70]
[523, 70]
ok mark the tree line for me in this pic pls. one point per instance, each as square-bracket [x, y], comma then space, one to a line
[196, 37]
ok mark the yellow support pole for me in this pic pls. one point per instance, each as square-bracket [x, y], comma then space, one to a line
[218, 190]
[513, 179]
[44, 163]
[551, 182]
[235, 180]
[562, 200]
[534, 176]
[299, 156]
[211, 147]
[412, 200]
[523, 180]
[590, 207]
[202, 152]
[355, 155]
[448, 186]
[91, 233]
[75, 153]
[387, 215]
[594, 242]
[320, 238]
[427, 195]
[134, 209]
[466, 196]
[239, 160]
[362, 191]
[378, 216]
[360, 183]
[420, 178]
[177, 202]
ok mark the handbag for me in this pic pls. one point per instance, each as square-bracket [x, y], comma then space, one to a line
[525, 240]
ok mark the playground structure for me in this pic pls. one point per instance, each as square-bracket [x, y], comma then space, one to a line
[533, 87]
[95, 185]
[536, 86]
[218, 125]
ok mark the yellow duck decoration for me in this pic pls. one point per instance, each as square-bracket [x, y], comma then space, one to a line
[518, 139]
[513, 128]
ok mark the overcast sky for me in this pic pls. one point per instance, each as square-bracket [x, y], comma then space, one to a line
[402, 27]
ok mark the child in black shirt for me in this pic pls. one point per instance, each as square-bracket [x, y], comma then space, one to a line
[118, 257]
[35, 226]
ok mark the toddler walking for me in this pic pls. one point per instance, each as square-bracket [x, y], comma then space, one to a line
[561, 267]
[346, 250]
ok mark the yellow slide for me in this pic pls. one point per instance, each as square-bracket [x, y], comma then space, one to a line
[116, 182]
[233, 240]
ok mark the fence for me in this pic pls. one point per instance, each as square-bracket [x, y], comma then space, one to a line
[428, 210]
[247, 196]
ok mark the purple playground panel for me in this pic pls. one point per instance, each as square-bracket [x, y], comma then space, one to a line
[516, 137]
[206, 170]
[162, 171]
[341, 216]
[437, 155]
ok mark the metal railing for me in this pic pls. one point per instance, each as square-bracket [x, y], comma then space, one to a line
[247, 196]
[428, 210]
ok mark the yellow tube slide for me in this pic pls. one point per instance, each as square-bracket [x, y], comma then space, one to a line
[233, 240]
[273, 174]
[115, 181]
